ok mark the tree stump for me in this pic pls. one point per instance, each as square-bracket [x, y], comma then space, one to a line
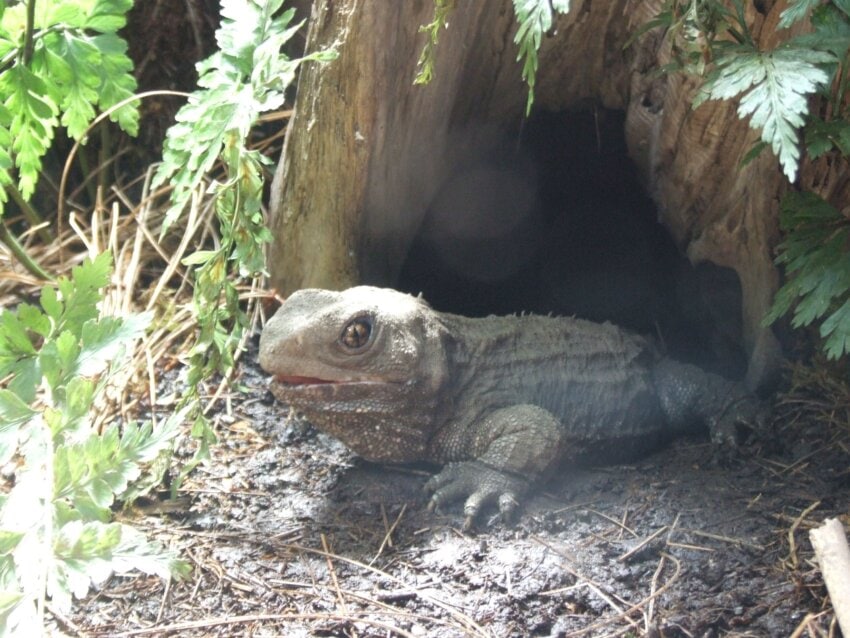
[367, 150]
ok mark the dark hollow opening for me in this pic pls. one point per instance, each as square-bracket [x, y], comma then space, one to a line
[553, 219]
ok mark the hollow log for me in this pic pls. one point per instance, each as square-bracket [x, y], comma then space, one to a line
[367, 150]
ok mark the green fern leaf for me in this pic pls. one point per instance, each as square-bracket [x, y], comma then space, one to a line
[248, 76]
[27, 98]
[836, 330]
[442, 9]
[831, 32]
[535, 18]
[107, 16]
[117, 82]
[796, 11]
[818, 269]
[773, 89]
[74, 63]
[80, 294]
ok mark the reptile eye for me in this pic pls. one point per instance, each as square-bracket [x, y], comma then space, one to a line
[356, 333]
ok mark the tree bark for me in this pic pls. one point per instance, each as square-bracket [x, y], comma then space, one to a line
[367, 150]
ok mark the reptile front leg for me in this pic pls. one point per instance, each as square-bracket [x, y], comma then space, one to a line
[510, 449]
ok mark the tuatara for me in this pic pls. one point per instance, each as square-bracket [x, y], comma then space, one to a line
[497, 400]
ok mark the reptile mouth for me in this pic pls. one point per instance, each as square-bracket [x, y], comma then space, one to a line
[286, 379]
[294, 381]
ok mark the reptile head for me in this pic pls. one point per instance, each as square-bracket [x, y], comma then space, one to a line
[365, 365]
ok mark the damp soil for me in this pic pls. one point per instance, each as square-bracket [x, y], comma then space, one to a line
[289, 534]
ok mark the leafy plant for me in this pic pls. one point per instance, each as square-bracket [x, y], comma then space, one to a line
[59, 61]
[246, 77]
[442, 9]
[56, 538]
[535, 19]
[773, 86]
[815, 257]
[798, 87]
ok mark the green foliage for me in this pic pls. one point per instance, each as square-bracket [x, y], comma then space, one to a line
[780, 91]
[58, 69]
[774, 88]
[55, 534]
[796, 11]
[535, 19]
[246, 77]
[442, 9]
[815, 257]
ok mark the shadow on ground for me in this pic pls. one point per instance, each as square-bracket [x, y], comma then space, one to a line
[290, 535]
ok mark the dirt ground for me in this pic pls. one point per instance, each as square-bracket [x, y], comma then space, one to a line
[289, 534]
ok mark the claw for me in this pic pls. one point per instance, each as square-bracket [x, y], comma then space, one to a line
[467, 524]
[508, 503]
[480, 485]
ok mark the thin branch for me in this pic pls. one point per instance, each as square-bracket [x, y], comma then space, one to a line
[20, 254]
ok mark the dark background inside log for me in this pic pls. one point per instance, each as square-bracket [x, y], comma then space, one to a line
[553, 219]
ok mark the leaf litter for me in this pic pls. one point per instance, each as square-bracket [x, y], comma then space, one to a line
[289, 534]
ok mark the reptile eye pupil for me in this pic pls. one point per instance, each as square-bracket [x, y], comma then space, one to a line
[356, 333]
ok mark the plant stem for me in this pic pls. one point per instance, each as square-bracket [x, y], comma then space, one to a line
[18, 251]
[31, 215]
[85, 167]
[28, 41]
[103, 157]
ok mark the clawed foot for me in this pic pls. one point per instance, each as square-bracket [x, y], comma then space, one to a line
[742, 420]
[480, 484]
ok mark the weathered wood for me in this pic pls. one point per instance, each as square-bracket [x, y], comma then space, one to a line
[833, 554]
[367, 150]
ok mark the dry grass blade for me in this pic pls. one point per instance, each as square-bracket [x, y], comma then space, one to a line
[643, 544]
[653, 588]
[471, 627]
[389, 535]
[613, 520]
[255, 618]
[793, 560]
[724, 539]
[332, 572]
[593, 627]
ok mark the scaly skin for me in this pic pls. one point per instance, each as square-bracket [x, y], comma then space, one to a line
[499, 400]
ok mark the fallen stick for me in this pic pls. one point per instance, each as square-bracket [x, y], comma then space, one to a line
[833, 556]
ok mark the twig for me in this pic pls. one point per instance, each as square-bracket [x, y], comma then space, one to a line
[793, 530]
[234, 620]
[388, 537]
[833, 556]
[20, 254]
[332, 572]
[469, 624]
[695, 548]
[625, 614]
[725, 539]
[30, 214]
[653, 587]
[162, 603]
[634, 550]
[613, 520]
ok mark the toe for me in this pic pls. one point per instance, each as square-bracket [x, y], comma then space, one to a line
[477, 500]
[508, 503]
